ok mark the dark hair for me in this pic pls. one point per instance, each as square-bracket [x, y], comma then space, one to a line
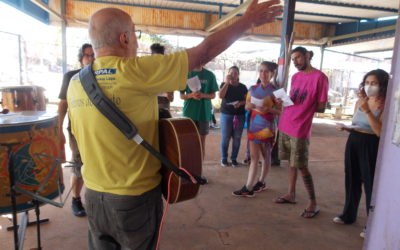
[270, 65]
[82, 51]
[234, 67]
[303, 51]
[157, 48]
[383, 80]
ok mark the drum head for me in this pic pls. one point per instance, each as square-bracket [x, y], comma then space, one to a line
[25, 117]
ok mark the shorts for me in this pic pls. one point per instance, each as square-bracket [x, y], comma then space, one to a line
[203, 127]
[76, 156]
[294, 149]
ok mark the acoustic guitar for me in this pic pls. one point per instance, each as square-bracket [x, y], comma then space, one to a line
[180, 143]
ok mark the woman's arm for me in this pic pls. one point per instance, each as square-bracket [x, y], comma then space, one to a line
[249, 106]
[224, 89]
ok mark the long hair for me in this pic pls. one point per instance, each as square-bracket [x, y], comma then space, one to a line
[271, 66]
[383, 80]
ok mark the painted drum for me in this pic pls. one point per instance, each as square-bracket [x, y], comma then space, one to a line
[36, 133]
[20, 98]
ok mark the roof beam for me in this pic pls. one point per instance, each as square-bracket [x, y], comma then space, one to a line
[349, 5]
[349, 54]
[333, 16]
[373, 51]
[227, 17]
[205, 3]
[362, 33]
[43, 6]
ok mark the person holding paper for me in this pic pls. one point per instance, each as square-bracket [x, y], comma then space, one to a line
[261, 130]
[233, 95]
[199, 91]
[309, 94]
[362, 144]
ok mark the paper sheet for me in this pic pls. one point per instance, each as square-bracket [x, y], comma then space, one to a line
[352, 126]
[256, 101]
[194, 84]
[232, 103]
[281, 94]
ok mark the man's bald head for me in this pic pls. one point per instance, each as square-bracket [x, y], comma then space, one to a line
[106, 26]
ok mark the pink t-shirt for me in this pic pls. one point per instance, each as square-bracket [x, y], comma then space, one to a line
[306, 92]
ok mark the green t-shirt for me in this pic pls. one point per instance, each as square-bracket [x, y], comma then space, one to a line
[200, 110]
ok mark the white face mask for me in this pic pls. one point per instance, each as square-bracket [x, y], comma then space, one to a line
[371, 91]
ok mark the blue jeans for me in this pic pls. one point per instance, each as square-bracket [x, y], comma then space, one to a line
[227, 132]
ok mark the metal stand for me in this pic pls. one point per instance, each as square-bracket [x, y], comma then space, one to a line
[12, 191]
[19, 230]
[29, 223]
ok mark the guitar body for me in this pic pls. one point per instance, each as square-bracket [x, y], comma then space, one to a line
[180, 143]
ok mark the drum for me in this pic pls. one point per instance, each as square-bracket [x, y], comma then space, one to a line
[33, 158]
[20, 98]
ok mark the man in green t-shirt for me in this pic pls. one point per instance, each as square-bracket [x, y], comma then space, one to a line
[197, 105]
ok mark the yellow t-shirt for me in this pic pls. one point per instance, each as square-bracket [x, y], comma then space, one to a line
[111, 162]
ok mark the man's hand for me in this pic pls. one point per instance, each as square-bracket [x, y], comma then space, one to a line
[261, 13]
[255, 15]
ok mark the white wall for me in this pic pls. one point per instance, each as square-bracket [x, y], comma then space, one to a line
[383, 227]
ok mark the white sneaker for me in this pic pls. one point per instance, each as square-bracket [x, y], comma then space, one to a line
[363, 233]
[337, 220]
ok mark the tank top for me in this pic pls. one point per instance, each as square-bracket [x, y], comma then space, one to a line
[360, 119]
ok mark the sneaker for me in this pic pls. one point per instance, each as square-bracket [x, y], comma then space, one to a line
[363, 233]
[235, 163]
[260, 186]
[214, 126]
[338, 220]
[246, 161]
[77, 207]
[224, 163]
[243, 192]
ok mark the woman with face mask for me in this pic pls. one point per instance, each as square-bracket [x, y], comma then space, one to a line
[362, 144]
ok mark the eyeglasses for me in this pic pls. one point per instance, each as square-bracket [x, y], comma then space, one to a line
[88, 55]
[138, 33]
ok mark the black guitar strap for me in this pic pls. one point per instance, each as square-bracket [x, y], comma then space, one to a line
[119, 119]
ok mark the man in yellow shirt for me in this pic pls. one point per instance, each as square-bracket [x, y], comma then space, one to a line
[123, 196]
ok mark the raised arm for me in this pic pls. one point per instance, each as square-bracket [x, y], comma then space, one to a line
[255, 15]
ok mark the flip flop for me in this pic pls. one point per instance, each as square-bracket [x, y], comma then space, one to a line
[313, 213]
[283, 200]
